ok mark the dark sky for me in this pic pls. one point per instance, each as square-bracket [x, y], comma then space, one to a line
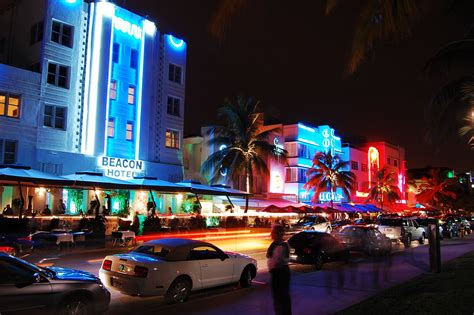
[292, 59]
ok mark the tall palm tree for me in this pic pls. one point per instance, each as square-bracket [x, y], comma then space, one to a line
[436, 189]
[384, 187]
[451, 109]
[327, 173]
[379, 20]
[244, 144]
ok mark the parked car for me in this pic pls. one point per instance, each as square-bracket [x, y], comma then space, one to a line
[450, 229]
[424, 222]
[28, 289]
[402, 229]
[367, 239]
[174, 267]
[461, 222]
[16, 244]
[311, 247]
[338, 225]
[312, 223]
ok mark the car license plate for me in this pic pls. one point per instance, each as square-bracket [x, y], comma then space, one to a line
[115, 283]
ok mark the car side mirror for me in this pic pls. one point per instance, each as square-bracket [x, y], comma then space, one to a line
[224, 256]
[26, 281]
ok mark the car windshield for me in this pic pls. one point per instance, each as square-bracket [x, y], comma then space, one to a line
[306, 220]
[157, 251]
[390, 222]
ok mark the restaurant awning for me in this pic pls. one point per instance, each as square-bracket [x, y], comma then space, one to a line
[200, 189]
[14, 174]
[152, 183]
[97, 180]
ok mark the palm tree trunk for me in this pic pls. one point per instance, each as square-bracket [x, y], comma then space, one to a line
[332, 197]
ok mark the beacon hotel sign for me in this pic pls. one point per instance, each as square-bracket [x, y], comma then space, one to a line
[121, 168]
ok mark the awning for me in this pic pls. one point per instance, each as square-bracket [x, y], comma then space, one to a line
[198, 188]
[97, 180]
[13, 174]
[152, 183]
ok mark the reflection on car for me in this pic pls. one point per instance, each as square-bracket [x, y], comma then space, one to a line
[310, 247]
[367, 239]
[174, 267]
[28, 289]
[424, 222]
[401, 229]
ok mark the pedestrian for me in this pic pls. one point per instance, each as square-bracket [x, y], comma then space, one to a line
[61, 209]
[46, 210]
[277, 261]
[8, 210]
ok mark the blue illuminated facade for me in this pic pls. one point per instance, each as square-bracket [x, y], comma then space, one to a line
[105, 90]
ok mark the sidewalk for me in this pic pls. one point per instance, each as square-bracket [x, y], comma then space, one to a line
[334, 288]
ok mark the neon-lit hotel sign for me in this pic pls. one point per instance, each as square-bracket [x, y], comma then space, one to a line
[127, 27]
[121, 168]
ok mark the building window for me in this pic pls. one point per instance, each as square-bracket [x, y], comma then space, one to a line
[172, 139]
[355, 165]
[55, 117]
[58, 75]
[174, 74]
[36, 33]
[129, 134]
[295, 175]
[363, 167]
[61, 33]
[388, 161]
[8, 151]
[113, 90]
[111, 128]
[134, 59]
[395, 163]
[9, 105]
[173, 105]
[131, 95]
[292, 149]
[116, 52]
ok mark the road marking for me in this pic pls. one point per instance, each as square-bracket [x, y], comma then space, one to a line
[259, 282]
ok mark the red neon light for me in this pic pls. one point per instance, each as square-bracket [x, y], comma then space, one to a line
[373, 160]
[194, 235]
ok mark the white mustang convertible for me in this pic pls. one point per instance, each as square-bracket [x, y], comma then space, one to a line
[174, 267]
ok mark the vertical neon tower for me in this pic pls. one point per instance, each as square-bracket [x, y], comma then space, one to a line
[373, 162]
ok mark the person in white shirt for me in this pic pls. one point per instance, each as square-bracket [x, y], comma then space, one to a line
[277, 261]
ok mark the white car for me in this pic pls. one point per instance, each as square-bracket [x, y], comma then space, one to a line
[174, 267]
[312, 223]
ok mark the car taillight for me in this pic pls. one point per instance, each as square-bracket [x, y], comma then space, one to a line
[140, 271]
[107, 265]
[307, 251]
[28, 239]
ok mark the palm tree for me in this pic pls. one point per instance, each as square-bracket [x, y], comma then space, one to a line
[383, 187]
[245, 149]
[436, 189]
[328, 173]
[379, 20]
[451, 109]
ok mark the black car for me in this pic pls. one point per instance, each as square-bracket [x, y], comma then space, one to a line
[366, 239]
[16, 244]
[450, 228]
[310, 247]
[339, 224]
[28, 289]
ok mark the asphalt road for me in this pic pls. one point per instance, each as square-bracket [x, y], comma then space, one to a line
[90, 260]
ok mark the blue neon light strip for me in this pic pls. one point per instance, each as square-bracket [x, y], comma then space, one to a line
[307, 141]
[106, 129]
[84, 144]
[140, 91]
[306, 128]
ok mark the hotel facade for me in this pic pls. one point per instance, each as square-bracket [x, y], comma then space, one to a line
[89, 86]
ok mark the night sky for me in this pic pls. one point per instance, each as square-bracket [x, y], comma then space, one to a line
[292, 59]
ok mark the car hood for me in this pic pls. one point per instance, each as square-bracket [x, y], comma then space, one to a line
[72, 274]
[237, 255]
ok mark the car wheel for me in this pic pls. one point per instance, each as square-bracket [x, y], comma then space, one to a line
[422, 239]
[246, 278]
[178, 291]
[75, 306]
[318, 261]
[407, 241]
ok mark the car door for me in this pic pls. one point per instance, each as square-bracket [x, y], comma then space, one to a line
[216, 267]
[19, 290]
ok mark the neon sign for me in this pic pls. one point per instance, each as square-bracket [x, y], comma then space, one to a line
[279, 148]
[276, 182]
[326, 196]
[330, 140]
[223, 171]
[177, 43]
[121, 168]
[127, 27]
[373, 162]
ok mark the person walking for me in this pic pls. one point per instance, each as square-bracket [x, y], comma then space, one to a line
[277, 261]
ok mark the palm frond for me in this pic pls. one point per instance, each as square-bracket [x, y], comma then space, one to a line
[457, 53]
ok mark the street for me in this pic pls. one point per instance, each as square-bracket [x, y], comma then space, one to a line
[335, 287]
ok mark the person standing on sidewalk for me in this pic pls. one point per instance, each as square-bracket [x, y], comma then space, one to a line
[277, 260]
